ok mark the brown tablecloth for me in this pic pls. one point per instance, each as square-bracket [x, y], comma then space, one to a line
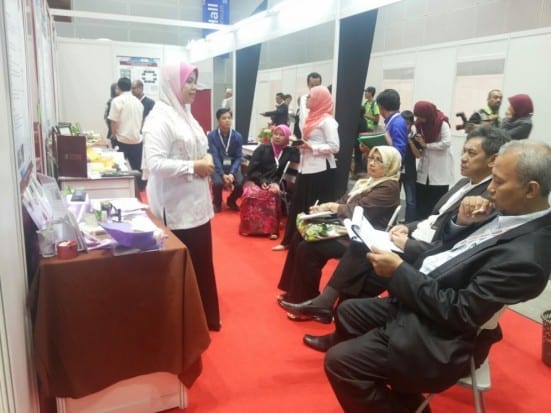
[99, 319]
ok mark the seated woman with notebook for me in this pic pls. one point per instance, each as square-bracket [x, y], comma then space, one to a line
[378, 195]
[261, 199]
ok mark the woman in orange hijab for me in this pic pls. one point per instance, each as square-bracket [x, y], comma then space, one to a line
[317, 167]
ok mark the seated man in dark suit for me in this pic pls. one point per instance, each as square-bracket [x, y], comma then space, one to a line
[385, 352]
[353, 275]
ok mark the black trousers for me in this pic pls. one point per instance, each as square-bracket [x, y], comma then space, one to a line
[218, 186]
[309, 189]
[199, 243]
[357, 367]
[134, 155]
[354, 275]
[304, 264]
[426, 198]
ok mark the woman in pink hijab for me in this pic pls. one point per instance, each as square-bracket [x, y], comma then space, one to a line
[261, 199]
[317, 168]
[178, 167]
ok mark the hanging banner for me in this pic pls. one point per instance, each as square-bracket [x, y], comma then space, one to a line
[216, 12]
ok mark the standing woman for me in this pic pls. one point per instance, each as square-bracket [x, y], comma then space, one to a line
[179, 167]
[316, 173]
[435, 169]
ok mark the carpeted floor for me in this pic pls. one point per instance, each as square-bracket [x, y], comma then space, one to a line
[257, 362]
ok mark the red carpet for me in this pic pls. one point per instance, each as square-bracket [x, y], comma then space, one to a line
[257, 362]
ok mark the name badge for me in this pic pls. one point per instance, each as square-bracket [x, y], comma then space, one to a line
[227, 161]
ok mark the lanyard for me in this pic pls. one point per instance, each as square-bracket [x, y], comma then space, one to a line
[276, 158]
[391, 119]
[222, 140]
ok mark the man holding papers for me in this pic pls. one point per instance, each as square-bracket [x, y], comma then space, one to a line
[385, 352]
[353, 276]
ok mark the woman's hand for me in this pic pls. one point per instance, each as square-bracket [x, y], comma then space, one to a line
[327, 206]
[204, 167]
[420, 140]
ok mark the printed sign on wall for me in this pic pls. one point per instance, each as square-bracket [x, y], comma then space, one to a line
[144, 68]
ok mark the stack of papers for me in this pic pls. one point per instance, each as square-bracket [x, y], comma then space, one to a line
[360, 229]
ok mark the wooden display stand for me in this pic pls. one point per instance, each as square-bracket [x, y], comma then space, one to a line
[70, 155]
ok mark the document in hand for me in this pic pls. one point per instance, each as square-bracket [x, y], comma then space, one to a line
[363, 231]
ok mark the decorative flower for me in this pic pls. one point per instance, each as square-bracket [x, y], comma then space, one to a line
[264, 136]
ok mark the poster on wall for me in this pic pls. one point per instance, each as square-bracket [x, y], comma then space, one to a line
[45, 71]
[144, 68]
[18, 85]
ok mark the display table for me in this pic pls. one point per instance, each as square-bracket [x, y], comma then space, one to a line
[99, 319]
[108, 187]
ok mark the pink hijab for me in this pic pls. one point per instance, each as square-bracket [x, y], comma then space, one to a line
[173, 77]
[321, 107]
[286, 131]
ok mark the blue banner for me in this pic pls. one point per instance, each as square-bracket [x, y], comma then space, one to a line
[217, 12]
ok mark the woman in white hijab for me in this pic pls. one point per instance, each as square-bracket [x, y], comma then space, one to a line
[178, 167]
[378, 195]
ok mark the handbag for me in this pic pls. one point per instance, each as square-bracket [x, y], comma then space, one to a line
[319, 229]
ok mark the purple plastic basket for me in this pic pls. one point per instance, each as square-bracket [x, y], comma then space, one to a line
[124, 235]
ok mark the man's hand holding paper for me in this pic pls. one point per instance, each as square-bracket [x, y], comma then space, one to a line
[384, 262]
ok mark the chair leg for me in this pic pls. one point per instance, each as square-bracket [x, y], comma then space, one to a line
[478, 397]
[425, 403]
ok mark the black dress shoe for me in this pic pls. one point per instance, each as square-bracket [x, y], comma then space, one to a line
[233, 206]
[321, 314]
[319, 343]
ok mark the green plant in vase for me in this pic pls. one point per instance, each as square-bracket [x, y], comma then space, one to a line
[265, 135]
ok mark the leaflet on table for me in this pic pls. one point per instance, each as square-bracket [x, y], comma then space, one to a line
[361, 229]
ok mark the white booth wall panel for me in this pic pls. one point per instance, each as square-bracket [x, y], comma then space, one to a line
[375, 73]
[527, 70]
[435, 77]
[484, 50]
[85, 76]
[87, 68]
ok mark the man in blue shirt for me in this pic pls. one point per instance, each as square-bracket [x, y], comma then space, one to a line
[226, 148]
[396, 130]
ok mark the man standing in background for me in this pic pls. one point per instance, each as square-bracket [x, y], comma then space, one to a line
[490, 114]
[313, 79]
[371, 109]
[228, 100]
[148, 103]
[126, 116]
